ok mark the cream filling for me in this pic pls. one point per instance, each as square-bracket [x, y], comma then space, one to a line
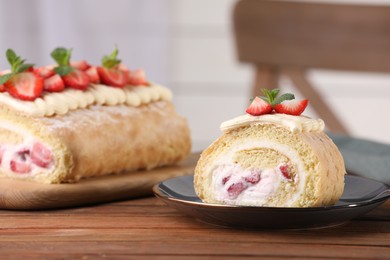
[300, 179]
[70, 99]
[296, 124]
[253, 193]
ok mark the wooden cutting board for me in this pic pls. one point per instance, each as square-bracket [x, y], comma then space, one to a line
[23, 195]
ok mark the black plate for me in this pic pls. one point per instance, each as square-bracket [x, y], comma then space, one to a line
[360, 196]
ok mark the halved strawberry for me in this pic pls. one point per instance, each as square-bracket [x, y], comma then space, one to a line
[80, 65]
[112, 77]
[25, 86]
[137, 78]
[76, 79]
[259, 107]
[93, 75]
[45, 72]
[123, 67]
[40, 155]
[292, 107]
[54, 84]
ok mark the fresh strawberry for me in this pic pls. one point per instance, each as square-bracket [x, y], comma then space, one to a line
[80, 65]
[259, 107]
[54, 84]
[111, 72]
[76, 79]
[112, 77]
[292, 107]
[40, 155]
[138, 78]
[93, 75]
[25, 86]
[123, 67]
[45, 72]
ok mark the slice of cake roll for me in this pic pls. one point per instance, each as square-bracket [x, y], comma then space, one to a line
[272, 159]
[61, 124]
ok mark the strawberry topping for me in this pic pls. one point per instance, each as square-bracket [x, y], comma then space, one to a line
[137, 78]
[259, 107]
[280, 104]
[54, 84]
[25, 86]
[112, 77]
[93, 75]
[292, 107]
[77, 79]
[80, 65]
[45, 72]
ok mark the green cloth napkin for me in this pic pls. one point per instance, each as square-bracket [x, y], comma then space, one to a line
[365, 158]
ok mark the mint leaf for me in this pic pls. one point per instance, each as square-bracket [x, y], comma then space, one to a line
[270, 95]
[11, 56]
[110, 61]
[17, 64]
[63, 70]
[4, 78]
[280, 99]
[61, 56]
[23, 67]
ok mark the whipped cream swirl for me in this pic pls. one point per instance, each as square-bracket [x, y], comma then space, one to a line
[296, 124]
[70, 99]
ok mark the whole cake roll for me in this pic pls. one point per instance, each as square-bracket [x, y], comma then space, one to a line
[272, 156]
[71, 121]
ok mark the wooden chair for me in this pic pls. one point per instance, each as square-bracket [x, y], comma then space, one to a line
[287, 38]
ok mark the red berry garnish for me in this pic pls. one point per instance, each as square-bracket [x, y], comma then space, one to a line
[259, 107]
[25, 86]
[292, 107]
[77, 79]
[112, 77]
[45, 72]
[137, 78]
[54, 84]
[93, 75]
[80, 65]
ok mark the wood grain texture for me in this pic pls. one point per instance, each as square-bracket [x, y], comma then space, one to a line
[147, 229]
[24, 195]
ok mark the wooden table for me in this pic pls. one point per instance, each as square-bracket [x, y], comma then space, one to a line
[146, 228]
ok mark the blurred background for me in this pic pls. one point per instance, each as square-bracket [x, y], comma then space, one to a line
[188, 46]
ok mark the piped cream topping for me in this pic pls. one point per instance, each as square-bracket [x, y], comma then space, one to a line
[296, 124]
[70, 99]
